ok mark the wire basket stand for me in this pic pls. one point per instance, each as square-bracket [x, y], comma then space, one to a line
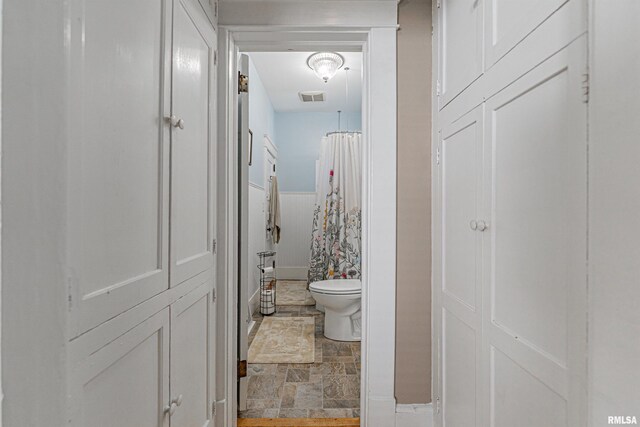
[267, 268]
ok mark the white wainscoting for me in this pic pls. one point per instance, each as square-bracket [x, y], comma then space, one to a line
[295, 236]
[417, 415]
[257, 236]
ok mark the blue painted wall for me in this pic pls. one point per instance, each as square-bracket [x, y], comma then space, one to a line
[298, 144]
[261, 122]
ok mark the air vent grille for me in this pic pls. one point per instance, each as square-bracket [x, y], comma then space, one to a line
[312, 96]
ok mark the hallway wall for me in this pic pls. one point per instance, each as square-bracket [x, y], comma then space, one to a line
[413, 327]
[614, 294]
[34, 153]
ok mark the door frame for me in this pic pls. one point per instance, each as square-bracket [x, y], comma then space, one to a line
[378, 45]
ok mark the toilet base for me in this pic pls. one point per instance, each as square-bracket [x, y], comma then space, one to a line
[340, 327]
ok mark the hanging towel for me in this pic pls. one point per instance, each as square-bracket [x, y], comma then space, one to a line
[274, 210]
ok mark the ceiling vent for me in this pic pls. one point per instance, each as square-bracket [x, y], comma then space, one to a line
[312, 96]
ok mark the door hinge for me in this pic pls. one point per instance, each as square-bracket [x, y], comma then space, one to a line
[243, 83]
[438, 405]
[215, 57]
[438, 87]
[438, 156]
[585, 88]
[215, 9]
[213, 409]
[213, 295]
[242, 368]
[214, 246]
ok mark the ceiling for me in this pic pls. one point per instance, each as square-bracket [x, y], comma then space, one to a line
[284, 74]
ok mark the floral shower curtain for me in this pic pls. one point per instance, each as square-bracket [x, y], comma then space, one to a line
[337, 233]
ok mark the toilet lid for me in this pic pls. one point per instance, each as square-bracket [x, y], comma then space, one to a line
[338, 286]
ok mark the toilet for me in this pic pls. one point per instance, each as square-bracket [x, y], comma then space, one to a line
[341, 299]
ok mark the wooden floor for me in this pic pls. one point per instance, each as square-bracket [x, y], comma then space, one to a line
[298, 422]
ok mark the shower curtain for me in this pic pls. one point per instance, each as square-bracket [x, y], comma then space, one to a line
[337, 232]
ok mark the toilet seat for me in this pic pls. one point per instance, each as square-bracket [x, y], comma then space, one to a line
[337, 287]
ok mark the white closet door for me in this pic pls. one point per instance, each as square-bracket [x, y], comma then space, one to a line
[118, 157]
[126, 382]
[507, 22]
[192, 148]
[460, 294]
[460, 46]
[534, 303]
[192, 357]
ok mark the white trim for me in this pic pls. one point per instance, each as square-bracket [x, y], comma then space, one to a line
[292, 273]
[379, 203]
[270, 146]
[1, 388]
[256, 186]
[254, 302]
[414, 415]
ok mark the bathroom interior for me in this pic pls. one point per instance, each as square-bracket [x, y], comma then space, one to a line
[300, 312]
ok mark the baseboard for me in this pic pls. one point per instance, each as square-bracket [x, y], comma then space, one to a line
[254, 301]
[414, 415]
[380, 412]
[292, 273]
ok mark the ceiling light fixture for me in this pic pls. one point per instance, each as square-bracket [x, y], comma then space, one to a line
[325, 64]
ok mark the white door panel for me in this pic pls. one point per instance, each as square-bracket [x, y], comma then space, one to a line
[192, 189]
[126, 382]
[534, 304]
[460, 293]
[461, 33]
[507, 22]
[459, 372]
[118, 157]
[192, 330]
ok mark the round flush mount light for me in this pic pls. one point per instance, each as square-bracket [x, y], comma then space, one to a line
[325, 64]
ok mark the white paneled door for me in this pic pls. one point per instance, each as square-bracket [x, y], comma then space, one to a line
[512, 297]
[508, 22]
[118, 198]
[461, 35]
[534, 298]
[192, 150]
[126, 382]
[192, 367]
[461, 290]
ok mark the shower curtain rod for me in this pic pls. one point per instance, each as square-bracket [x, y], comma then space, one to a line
[343, 131]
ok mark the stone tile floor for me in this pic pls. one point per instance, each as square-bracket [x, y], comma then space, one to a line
[328, 388]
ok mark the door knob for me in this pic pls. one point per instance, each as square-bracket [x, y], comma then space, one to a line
[482, 225]
[177, 400]
[170, 409]
[473, 224]
[176, 122]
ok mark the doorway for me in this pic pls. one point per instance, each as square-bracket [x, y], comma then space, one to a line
[296, 365]
[377, 403]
